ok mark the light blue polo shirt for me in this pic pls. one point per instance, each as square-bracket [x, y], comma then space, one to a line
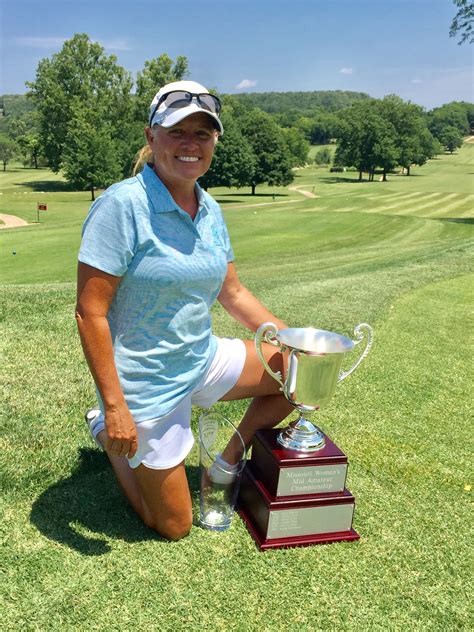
[172, 270]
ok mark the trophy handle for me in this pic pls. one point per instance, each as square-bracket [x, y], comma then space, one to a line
[267, 332]
[359, 334]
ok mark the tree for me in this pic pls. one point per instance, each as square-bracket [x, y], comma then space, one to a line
[25, 131]
[289, 118]
[233, 164]
[463, 22]
[456, 114]
[413, 140]
[437, 148]
[297, 145]
[323, 156]
[366, 140]
[385, 153]
[303, 102]
[7, 150]
[451, 138]
[80, 77]
[17, 125]
[235, 106]
[426, 147]
[90, 155]
[273, 160]
[157, 73]
[322, 128]
[30, 147]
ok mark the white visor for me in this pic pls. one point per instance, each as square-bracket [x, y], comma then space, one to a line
[167, 117]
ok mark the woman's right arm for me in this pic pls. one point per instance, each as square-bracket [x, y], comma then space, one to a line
[95, 291]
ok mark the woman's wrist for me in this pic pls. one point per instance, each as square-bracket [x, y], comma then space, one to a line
[113, 403]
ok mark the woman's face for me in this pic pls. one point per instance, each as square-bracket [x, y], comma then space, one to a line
[183, 153]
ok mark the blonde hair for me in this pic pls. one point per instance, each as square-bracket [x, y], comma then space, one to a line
[142, 157]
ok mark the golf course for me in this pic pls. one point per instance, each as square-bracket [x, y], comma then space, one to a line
[328, 252]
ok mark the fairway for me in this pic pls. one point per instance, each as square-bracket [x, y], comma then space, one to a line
[395, 254]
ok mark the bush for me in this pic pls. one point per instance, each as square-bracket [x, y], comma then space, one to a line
[323, 156]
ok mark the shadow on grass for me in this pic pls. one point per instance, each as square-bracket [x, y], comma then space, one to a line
[246, 197]
[457, 220]
[90, 500]
[339, 179]
[249, 195]
[47, 186]
[413, 175]
[355, 180]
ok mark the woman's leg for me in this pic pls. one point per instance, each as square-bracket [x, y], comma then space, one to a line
[268, 407]
[166, 495]
[160, 497]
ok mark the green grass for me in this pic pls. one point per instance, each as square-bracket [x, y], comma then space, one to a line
[76, 558]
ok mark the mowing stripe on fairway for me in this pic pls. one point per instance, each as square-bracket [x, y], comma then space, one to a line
[400, 201]
[436, 206]
[421, 203]
[385, 196]
[440, 207]
[469, 212]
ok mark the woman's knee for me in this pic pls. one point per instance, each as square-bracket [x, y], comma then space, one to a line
[276, 360]
[173, 528]
[167, 500]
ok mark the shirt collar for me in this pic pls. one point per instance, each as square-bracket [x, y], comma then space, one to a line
[160, 198]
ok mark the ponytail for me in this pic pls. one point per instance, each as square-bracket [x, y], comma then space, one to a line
[142, 156]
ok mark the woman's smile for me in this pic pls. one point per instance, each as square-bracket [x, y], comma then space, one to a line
[188, 158]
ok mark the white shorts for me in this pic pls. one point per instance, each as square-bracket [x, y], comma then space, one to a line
[166, 441]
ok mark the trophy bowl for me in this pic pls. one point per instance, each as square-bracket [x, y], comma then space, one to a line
[313, 372]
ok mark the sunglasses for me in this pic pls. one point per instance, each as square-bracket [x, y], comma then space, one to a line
[177, 99]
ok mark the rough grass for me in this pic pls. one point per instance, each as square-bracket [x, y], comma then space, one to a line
[76, 558]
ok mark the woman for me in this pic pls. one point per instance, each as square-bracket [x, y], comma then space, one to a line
[155, 255]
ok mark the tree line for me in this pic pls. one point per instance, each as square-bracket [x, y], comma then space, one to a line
[89, 118]
[389, 133]
[85, 117]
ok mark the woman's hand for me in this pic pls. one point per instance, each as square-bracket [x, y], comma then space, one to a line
[121, 432]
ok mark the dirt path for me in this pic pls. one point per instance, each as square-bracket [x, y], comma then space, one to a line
[469, 139]
[307, 194]
[11, 221]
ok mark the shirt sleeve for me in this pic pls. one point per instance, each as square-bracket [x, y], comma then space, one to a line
[109, 236]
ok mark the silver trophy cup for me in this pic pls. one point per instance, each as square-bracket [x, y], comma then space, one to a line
[313, 372]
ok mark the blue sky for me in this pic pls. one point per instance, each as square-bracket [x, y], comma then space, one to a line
[374, 46]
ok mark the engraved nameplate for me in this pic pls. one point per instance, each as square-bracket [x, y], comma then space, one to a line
[321, 479]
[285, 523]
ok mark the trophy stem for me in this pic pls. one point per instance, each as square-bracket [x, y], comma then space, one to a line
[302, 436]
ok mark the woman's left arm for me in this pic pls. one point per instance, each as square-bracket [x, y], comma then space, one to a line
[242, 305]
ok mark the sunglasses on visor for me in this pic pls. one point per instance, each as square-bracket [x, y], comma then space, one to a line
[177, 99]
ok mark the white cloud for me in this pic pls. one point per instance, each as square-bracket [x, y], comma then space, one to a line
[416, 81]
[246, 83]
[345, 71]
[116, 44]
[40, 42]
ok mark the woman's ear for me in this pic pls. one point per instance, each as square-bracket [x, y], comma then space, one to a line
[149, 135]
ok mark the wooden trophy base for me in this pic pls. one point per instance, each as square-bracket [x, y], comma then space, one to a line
[289, 498]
